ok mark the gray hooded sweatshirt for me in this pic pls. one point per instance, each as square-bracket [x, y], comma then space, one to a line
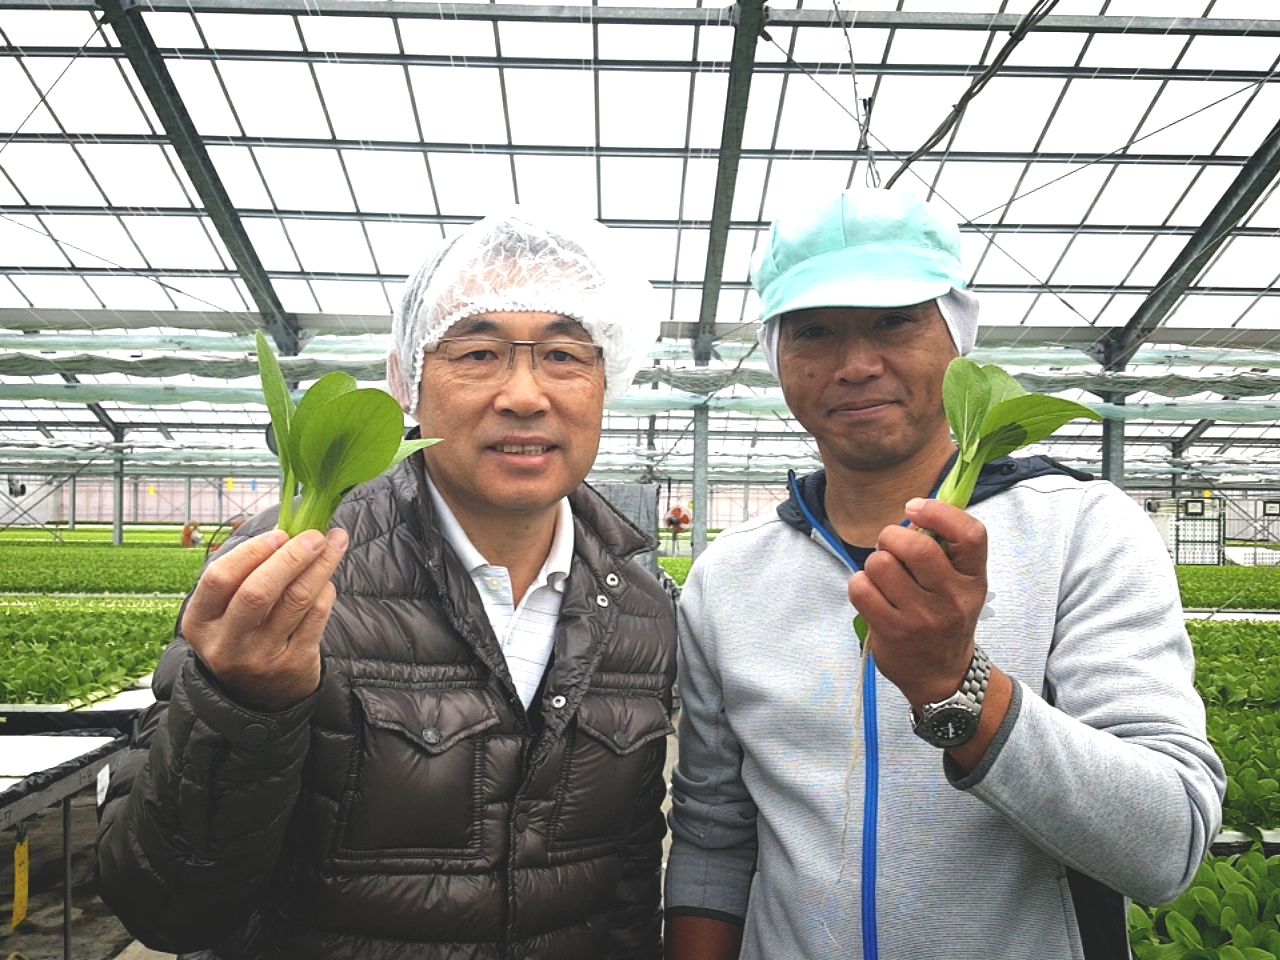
[1099, 786]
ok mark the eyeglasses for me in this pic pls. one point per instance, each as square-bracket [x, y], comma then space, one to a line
[490, 360]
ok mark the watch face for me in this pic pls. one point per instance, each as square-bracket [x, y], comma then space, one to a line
[952, 726]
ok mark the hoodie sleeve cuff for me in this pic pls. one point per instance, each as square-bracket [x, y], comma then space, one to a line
[956, 774]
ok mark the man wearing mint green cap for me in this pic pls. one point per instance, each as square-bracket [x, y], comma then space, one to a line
[1027, 751]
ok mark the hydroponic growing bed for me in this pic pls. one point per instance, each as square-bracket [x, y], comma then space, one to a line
[29, 568]
[77, 650]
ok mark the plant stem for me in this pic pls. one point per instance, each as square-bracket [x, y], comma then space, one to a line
[286, 501]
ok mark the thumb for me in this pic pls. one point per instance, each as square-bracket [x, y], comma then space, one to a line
[962, 536]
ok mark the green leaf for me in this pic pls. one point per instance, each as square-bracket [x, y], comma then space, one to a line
[347, 441]
[861, 628]
[1241, 937]
[409, 447]
[327, 388]
[1229, 952]
[1254, 953]
[1038, 415]
[276, 393]
[1182, 930]
[966, 396]
[1002, 386]
[1002, 441]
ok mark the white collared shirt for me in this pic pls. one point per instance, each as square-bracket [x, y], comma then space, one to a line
[526, 633]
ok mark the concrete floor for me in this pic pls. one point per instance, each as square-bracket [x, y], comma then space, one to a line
[95, 932]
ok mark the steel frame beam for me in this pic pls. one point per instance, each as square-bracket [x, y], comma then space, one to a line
[661, 284]
[1116, 349]
[750, 21]
[1092, 229]
[36, 319]
[1183, 443]
[116, 430]
[679, 153]
[875, 68]
[702, 16]
[125, 18]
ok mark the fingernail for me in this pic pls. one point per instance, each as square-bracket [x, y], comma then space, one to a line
[311, 540]
[338, 538]
[914, 504]
[276, 538]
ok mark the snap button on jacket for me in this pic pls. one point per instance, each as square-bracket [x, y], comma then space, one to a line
[412, 807]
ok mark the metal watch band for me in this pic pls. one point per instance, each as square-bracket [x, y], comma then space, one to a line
[976, 678]
[959, 713]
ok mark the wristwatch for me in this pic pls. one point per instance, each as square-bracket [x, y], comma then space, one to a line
[954, 721]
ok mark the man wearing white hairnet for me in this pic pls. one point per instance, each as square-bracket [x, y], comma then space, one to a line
[439, 731]
[990, 790]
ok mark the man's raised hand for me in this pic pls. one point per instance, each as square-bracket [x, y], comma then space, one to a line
[922, 602]
[257, 615]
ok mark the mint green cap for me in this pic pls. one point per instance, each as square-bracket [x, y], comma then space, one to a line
[863, 248]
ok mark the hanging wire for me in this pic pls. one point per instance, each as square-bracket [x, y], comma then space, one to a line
[1032, 17]
[990, 237]
[861, 108]
[117, 266]
[42, 101]
[1119, 150]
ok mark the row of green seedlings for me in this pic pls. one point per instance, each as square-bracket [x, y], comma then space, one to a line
[78, 650]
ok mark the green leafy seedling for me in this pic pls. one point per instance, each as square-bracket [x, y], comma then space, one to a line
[336, 438]
[991, 416]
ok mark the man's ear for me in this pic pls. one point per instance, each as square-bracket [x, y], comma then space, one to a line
[397, 385]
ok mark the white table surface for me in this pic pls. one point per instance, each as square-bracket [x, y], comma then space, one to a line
[24, 755]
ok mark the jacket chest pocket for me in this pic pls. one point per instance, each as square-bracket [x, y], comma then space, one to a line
[417, 770]
[612, 759]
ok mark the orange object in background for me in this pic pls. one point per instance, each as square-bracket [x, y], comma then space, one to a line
[191, 534]
[678, 519]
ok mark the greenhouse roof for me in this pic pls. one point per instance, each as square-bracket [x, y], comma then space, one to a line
[174, 176]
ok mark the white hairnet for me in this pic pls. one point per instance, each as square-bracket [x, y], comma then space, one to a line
[959, 309]
[520, 260]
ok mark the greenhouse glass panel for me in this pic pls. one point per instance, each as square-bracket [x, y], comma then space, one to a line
[459, 105]
[389, 182]
[640, 188]
[135, 175]
[271, 243]
[643, 110]
[289, 83]
[631, 42]
[471, 185]
[349, 34]
[249, 31]
[304, 179]
[449, 38]
[550, 106]
[564, 183]
[173, 242]
[330, 246]
[559, 41]
[367, 101]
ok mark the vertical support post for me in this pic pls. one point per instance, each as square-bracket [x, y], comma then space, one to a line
[746, 501]
[1113, 446]
[66, 878]
[117, 501]
[136, 505]
[186, 500]
[701, 430]
[71, 503]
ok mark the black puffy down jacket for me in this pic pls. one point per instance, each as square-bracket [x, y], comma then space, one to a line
[412, 807]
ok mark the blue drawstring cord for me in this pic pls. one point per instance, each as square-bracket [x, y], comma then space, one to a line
[871, 741]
